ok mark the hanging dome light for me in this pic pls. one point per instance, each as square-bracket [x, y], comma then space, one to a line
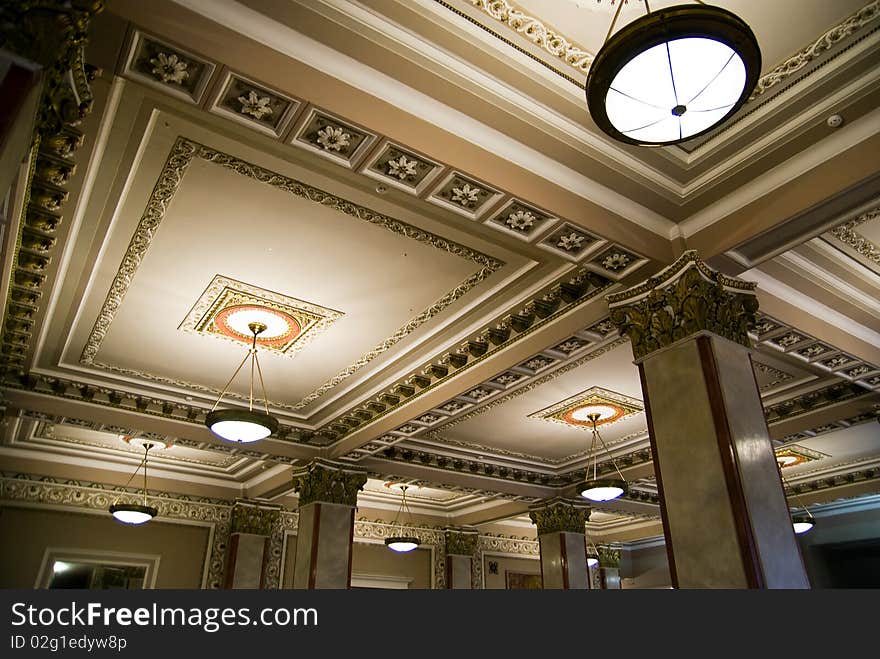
[238, 425]
[130, 513]
[672, 75]
[133, 513]
[803, 523]
[402, 543]
[592, 553]
[601, 489]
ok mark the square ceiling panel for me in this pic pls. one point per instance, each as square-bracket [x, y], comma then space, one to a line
[192, 211]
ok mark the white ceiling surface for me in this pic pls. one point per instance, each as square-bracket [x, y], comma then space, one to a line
[507, 427]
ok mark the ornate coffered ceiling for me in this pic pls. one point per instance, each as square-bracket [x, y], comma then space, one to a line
[415, 192]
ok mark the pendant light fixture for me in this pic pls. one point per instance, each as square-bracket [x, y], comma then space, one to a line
[133, 513]
[239, 425]
[601, 489]
[592, 553]
[801, 522]
[402, 543]
[673, 74]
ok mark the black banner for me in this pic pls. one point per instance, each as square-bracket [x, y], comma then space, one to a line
[387, 623]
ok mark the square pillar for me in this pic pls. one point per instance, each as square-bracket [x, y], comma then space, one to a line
[251, 527]
[461, 545]
[725, 517]
[562, 543]
[327, 500]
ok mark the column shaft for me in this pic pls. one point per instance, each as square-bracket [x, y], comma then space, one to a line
[563, 560]
[725, 517]
[324, 546]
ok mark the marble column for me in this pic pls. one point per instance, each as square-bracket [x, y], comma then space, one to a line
[461, 546]
[327, 500]
[606, 575]
[246, 553]
[725, 517]
[562, 543]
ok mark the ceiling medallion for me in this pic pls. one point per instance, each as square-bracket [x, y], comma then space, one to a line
[233, 322]
[672, 75]
[794, 455]
[228, 308]
[576, 410]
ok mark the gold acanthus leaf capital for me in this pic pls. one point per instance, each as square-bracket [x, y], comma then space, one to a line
[685, 298]
[560, 515]
[325, 482]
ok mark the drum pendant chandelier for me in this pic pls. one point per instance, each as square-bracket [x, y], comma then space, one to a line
[236, 424]
[672, 75]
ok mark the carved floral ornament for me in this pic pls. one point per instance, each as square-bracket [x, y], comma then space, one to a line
[325, 482]
[559, 515]
[461, 543]
[685, 298]
[249, 518]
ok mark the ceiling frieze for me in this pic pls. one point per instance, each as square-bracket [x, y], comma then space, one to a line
[772, 334]
[847, 234]
[56, 39]
[564, 296]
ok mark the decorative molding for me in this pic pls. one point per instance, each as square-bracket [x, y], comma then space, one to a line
[54, 34]
[223, 292]
[624, 406]
[824, 43]
[775, 334]
[847, 234]
[812, 401]
[182, 154]
[365, 529]
[219, 514]
[254, 105]
[560, 516]
[325, 482]
[535, 31]
[775, 375]
[572, 242]
[532, 384]
[167, 67]
[684, 298]
[562, 297]
[608, 556]
[505, 544]
[793, 455]
[332, 137]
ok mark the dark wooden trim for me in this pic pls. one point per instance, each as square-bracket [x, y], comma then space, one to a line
[313, 556]
[563, 560]
[541, 561]
[670, 553]
[350, 548]
[264, 562]
[744, 533]
[231, 556]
